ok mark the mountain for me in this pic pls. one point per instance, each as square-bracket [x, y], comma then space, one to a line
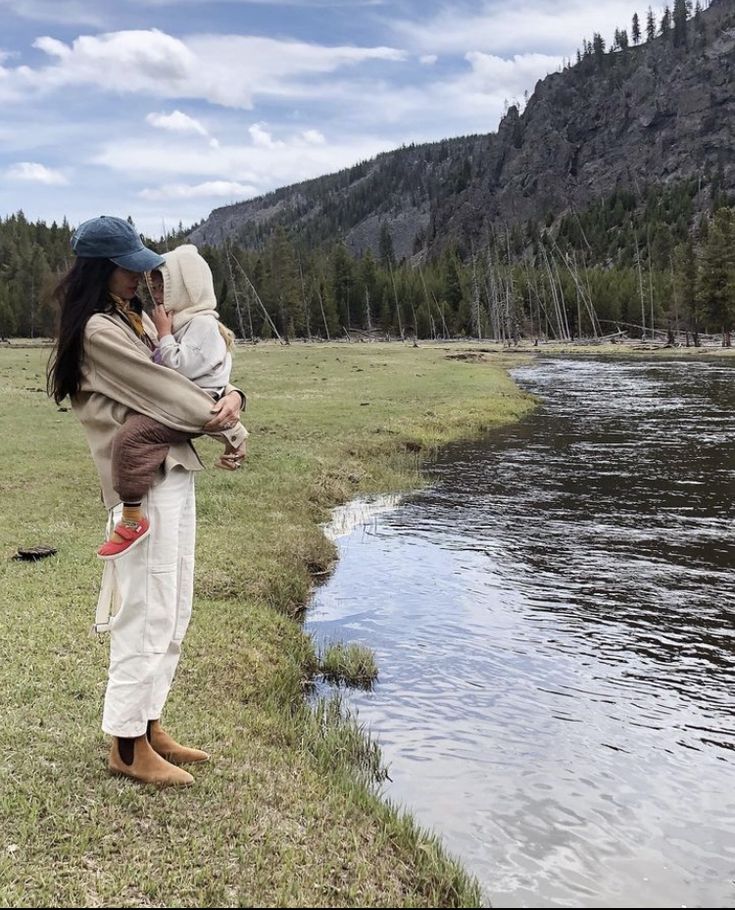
[625, 119]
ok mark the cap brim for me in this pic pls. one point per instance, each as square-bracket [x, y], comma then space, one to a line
[144, 260]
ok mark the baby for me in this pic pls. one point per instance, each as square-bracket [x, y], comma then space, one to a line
[193, 342]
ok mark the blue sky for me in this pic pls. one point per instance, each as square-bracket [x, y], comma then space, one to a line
[165, 110]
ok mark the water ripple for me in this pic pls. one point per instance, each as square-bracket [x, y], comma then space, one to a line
[553, 620]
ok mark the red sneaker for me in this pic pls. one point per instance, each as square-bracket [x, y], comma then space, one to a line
[132, 532]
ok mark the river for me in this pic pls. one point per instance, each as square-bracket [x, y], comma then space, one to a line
[553, 621]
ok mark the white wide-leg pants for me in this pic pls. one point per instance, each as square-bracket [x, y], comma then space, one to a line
[153, 585]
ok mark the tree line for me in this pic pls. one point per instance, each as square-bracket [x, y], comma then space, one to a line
[671, 25]
[642, 265]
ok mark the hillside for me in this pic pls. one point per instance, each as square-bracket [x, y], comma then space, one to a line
[625, 119]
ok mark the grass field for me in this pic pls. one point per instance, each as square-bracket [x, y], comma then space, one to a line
[286, 813]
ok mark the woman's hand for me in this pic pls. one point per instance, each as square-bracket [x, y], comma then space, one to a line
[225, 413]
[161, 320]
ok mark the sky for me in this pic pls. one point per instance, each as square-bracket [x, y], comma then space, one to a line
[166, 109]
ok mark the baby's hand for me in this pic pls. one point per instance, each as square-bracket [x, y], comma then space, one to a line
[162, 320]
[231, 458]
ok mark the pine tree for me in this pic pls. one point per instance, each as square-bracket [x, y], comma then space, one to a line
[8, 322]
[650, 25]
[636, 30]
[385, 247]
[598, 47]
[285, 285]
[343, 287]
[681, 14]
[451, 291]
[686, 287]
[700, 27]
[666, 21]
[716, 279]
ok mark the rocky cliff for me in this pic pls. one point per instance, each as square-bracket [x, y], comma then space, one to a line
[651, 114]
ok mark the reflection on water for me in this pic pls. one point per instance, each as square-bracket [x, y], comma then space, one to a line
[553, 620]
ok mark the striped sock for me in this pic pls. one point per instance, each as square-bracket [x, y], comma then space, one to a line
[132, 511]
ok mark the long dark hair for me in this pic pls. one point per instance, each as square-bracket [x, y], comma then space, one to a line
[81, 293]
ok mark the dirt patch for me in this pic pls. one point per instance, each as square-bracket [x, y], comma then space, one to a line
[470, 356]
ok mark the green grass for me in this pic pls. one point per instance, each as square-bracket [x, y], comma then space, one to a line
[286, 813]
[352, 664]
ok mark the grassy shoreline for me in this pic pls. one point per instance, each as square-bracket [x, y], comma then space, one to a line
[285, 814]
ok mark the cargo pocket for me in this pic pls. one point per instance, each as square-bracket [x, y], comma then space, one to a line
[160, 619]
[185, 595]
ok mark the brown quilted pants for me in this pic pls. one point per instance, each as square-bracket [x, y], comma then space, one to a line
[139, 449]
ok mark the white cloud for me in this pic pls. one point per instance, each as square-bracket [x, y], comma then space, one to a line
[262, 167]
[227, 70]
[63, 11]
[342, 103]
[317, 4]
[128, 61]
[262, 138]
[176, 122]
[470, 99]
[492, 74]
[237, 69]
[209, 189]
[509, 28]
[36, 173]
[313, 137]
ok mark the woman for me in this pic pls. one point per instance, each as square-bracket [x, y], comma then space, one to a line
[102, 362]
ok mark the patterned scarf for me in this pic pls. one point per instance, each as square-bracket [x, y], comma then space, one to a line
[133, 319]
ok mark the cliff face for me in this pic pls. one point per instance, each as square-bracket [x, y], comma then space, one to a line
[652, 114]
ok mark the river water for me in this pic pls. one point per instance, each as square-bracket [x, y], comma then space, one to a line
[553, 621]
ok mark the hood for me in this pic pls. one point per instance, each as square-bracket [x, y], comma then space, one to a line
[188, 285]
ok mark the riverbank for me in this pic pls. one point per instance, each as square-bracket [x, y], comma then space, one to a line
[285, 814]
[627, 348]
[632, 348]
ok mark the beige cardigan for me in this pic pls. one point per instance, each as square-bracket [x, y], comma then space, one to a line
[119, 377]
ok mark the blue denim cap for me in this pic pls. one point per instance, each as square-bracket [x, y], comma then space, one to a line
[107, 237]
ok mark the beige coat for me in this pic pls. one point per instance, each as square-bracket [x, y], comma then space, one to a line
[118, 376]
